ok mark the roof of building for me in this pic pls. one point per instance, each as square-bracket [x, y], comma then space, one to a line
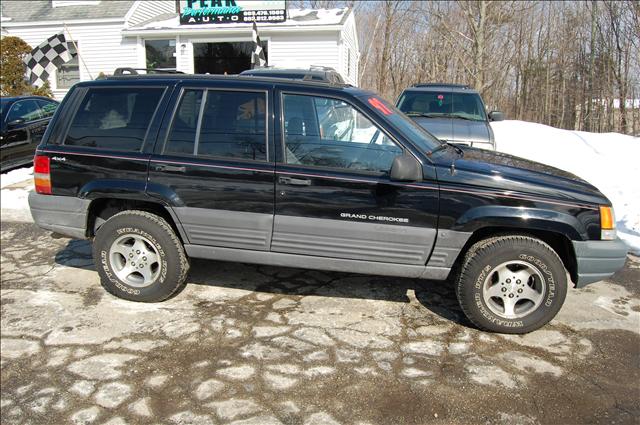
[42, 10]
[295, 18]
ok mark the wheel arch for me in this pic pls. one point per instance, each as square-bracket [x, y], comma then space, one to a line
[559, 242]
[101, 209]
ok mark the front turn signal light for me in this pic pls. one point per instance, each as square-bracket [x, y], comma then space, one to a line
[607, 223]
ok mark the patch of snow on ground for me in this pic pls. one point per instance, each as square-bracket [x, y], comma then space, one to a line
[15, 176]
[14, 200]
[609, 161]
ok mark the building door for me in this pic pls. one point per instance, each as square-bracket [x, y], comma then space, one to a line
[224, 58]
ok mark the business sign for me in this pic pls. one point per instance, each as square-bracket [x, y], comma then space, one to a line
[194, 12]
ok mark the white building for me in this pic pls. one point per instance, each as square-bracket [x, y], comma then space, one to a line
[140, 34]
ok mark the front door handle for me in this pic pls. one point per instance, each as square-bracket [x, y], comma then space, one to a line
[174, 168]
[294, 182]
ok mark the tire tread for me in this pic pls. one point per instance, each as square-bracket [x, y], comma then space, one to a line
[182, 257]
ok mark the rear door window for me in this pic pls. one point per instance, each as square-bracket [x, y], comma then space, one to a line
[114, 118]
[182, 137]
[231, 124]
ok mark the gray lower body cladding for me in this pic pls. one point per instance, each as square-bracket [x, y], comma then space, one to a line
[317, 263]
[234, 229]
[375, 242]
[597, 260]
[66, 215]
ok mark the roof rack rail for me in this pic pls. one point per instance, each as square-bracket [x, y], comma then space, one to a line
[134, 71]
[459, 86]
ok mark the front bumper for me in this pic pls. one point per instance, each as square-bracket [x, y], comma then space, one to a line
[597, 260]
[66, 215]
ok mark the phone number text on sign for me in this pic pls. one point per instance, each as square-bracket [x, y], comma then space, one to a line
[264, 15]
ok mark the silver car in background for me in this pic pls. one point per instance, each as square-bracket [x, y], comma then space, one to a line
[453, 113]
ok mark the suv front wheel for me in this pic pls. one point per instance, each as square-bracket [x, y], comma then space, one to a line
[511, 284]
[139, 257]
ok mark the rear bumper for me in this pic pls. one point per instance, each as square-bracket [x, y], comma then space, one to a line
[597, 260]
[66, 215]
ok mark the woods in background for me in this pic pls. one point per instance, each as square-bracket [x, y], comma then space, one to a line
[573, 65]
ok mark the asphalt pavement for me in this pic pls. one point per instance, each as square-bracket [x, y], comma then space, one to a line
[247, 344]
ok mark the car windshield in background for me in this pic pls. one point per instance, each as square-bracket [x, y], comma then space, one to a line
[466, 106]
[407, 126]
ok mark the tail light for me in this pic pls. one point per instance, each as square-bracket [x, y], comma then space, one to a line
[42, 174]
[607, 223]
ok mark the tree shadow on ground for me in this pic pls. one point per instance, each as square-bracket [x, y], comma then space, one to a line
[436, 296]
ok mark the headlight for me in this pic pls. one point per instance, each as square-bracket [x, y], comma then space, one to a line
[607, 223]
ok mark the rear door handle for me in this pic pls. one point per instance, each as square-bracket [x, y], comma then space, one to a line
[294, 182]
[174, 168]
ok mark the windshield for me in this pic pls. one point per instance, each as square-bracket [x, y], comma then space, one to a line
[443, 104]
[412, 131]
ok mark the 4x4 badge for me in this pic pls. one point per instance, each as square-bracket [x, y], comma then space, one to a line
[59, 158]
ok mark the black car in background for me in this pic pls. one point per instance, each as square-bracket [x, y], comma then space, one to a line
[314, 73]
[453, 113]
[24, 120]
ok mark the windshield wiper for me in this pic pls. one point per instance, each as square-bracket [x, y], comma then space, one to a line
[444, 145]
[462, 117]
[423, 114]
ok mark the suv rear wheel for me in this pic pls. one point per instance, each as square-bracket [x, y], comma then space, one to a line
[511, 284]
[139, 257]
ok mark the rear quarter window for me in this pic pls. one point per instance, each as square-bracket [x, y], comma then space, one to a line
[114, 118]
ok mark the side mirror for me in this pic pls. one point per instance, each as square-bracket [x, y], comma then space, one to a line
[15, 123]
[496, 116]
[405, 168]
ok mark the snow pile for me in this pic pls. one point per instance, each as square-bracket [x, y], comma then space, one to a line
[14, 200]
[609, 161]
[15, 176]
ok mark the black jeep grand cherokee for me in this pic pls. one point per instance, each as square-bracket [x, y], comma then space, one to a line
[157, 169]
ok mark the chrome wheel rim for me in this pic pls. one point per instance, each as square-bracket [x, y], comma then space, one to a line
[514, 289]
[134, 260]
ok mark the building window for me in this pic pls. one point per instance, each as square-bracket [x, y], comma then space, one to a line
[224, 58]
[161, 53]
[348, 61]
[69, 73]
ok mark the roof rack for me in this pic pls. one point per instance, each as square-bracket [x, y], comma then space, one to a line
[134, 71]
[458, 86]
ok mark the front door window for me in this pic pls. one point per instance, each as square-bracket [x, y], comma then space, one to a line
[325, 132]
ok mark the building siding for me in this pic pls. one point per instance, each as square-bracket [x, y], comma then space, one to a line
[102, 47]
[350, 43]
[307, 49]
[148, 9]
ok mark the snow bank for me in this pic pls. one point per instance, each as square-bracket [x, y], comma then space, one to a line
[609, 161]
[15, 176]
[14, 200]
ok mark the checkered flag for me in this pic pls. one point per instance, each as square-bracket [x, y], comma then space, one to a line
[45, 58]
[257, 56]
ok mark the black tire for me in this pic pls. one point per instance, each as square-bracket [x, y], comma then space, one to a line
[169, 271]
[479, 280]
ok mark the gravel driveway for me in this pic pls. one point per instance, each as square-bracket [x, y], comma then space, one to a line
[248, 344]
